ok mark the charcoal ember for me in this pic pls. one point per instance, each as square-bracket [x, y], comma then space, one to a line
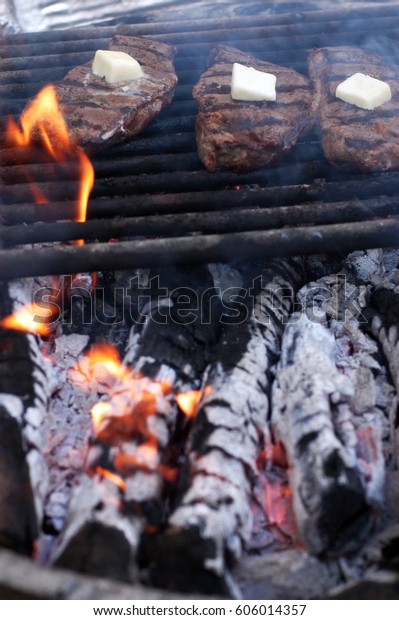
[312, 417]
[211, 521]
[131, 443]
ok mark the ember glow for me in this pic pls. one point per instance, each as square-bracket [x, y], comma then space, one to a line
[42, 122]
[188, 401]
[26, 319]
[108, 357]
[98, 412]
[125, 420]
[114, 478]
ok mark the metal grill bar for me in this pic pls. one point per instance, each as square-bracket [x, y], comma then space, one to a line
[334, 239]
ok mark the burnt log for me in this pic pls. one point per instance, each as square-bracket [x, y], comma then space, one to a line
[133, 443]
[384, 326]
[332, 409]
[24, 392]
[211, 520]
[310, 413]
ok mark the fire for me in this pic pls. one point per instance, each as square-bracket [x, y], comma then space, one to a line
[108, 357]
[188, 401]
[98, 413]
[125, 421]
[110, 475]
[27, 319]
[42, 121]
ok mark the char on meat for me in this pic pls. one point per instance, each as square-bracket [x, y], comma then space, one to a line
[99, 114]
[246, 135]
[353, 138]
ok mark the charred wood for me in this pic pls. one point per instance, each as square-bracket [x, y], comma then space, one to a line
[24, 393]
[211, 520]
[332, 409]
[21, 578]
[98, 538]
[167, 352]
[311, 416]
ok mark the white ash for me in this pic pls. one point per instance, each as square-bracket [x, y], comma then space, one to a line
[312, 417]
[70, 425]
[221, 518]
[143, 487]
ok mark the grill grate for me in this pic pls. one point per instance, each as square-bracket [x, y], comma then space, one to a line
[164, 206]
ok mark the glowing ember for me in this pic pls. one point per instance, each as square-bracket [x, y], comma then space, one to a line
[42, 121]
[98, 412]
[108, 357]
[117, 480]
[188, 401]
[124, 420]
[27, 319]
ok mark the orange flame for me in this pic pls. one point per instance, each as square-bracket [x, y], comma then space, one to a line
[42, 120]
[188, 401]
[108, 356]
[125, 417]
[26, 319]
[117, 480]
[98, 413]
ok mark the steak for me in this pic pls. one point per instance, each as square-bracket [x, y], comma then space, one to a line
[245, 135]
[98, 113]
[353, 138]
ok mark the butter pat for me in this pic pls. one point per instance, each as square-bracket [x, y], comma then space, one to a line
[364, 91]
[249, 84]
[115, 66]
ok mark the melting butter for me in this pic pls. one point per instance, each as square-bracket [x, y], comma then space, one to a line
[115, 66]
[249, 84]
[364, 91]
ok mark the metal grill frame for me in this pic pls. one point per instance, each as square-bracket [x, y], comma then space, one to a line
[153, 193]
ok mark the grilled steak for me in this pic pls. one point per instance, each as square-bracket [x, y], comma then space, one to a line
[353, 138]
[245, 135]
[99, 114]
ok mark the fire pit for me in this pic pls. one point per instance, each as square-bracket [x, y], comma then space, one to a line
[243, 412]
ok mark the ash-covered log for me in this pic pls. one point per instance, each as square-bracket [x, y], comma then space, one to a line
[310, 411]
[211, 520]
[24, 393]
[132, 446]
[332, 407]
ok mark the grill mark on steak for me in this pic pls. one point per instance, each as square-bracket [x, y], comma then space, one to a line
[99, 114]
[245, 135]
[353, 138]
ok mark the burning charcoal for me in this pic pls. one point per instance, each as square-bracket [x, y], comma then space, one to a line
[136, 421]
[24, 393]
[212, 519]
